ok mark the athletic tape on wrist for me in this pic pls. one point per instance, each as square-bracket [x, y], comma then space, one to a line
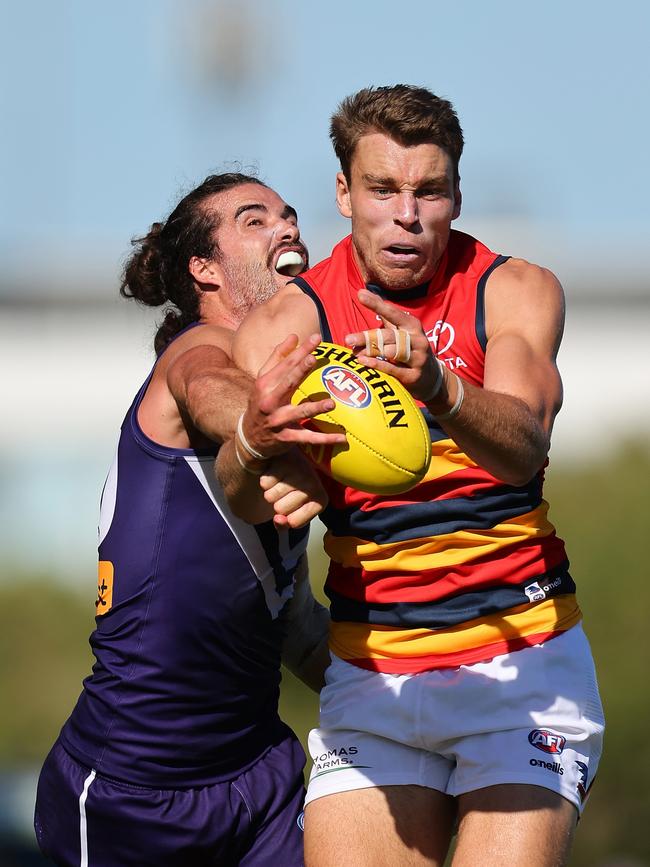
[242, 464]
[247, 446]
[460, 395]
[437, 385]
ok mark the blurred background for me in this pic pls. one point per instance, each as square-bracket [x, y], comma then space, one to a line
[110, 112]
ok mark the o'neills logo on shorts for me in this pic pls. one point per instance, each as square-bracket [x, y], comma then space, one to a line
[543, 739]
[556, 767]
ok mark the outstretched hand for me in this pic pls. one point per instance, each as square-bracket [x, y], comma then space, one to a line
[400, 347]
[294, 490]
[271, 423]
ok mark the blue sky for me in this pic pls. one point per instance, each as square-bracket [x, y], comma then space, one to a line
[109, 113]
[110, 110]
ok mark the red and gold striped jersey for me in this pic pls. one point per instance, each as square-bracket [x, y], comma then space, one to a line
[463, 567]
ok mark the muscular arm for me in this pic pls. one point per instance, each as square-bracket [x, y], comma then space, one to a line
[504, 426]
[209, 390]
[211, 394]
[290, 311]
[270, 428]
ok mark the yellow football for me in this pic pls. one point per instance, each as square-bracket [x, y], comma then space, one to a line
[388, 445]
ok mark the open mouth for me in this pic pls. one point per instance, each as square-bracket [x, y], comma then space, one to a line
[402, 250]
[290, 263]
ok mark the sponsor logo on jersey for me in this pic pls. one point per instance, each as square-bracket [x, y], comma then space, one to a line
[543, 739]
[536, 591]
[555, 767]
[346, 387]
[442, 337]
[300, 821]
[104, 600]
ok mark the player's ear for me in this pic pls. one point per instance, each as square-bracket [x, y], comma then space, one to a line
[207, 272]
[458, 200]
[343, 195]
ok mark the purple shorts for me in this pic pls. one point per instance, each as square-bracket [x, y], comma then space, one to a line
[85, 820]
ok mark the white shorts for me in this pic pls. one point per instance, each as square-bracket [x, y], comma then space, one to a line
[533, 716]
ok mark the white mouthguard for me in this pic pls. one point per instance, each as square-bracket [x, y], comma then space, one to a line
[290, 263]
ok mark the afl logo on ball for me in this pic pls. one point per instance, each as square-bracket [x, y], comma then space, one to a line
[346, 387]
[546, 741]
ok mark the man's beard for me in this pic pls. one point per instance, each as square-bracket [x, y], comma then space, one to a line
[250, 284]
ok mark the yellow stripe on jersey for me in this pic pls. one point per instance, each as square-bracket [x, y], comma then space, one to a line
[446, 458]
[359, 641]
[433, 552]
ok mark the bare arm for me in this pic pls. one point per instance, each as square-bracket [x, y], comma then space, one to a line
[505, 426]
[263, 446]
[290, 311]
[210, 392]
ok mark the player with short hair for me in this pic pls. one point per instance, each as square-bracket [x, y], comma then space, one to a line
[175, 753]
[462, 686]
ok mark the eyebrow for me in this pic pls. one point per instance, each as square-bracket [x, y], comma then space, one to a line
[287, 211]
[439, 180]
[252, 206]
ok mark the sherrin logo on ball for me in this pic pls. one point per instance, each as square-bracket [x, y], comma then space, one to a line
[388, 446]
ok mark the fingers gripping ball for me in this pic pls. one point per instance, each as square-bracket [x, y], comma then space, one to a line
[388, 445]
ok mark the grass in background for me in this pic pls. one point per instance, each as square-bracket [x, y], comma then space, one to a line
[602, 512]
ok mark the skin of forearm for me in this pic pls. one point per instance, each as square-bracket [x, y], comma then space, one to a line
[243, 492]
[498, 432]
[214, 401]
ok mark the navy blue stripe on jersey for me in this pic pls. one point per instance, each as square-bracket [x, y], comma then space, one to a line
[325, 330]
[480, 301]
[453, 610]
[436, 433]
[268, 536]
[397, 296]
[434, 518]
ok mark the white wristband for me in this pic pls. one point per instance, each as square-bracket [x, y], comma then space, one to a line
[247, 446]
[246, 469]
[460, 394]
[437, 385]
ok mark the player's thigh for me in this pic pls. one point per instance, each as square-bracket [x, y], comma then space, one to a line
[379, 827]
[514, 824]
[274, 792]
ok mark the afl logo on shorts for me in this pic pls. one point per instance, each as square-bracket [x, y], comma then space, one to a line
[346, 387]
[546, 741]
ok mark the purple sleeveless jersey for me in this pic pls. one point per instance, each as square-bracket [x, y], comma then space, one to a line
[184, 689]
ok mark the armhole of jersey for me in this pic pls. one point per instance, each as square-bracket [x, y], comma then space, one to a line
[480, 301]
[322, 316]
[145, 442]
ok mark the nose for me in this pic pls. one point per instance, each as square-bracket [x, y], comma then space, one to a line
[289, 230]
[406, 210]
